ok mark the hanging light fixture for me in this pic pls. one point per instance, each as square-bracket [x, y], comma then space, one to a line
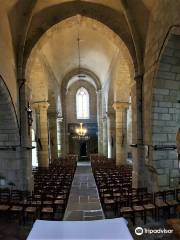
[79, 54]
[81, 131]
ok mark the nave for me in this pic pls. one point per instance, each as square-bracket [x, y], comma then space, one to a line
[94, 81]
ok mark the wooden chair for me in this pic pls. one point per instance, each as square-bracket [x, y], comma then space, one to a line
[160, 203]
[16, 211]
[4, 196]
[47, 210]
[170, 199]
[178, 194]
[148, 204]
[30, 211]
[137, 207]
[127, 212]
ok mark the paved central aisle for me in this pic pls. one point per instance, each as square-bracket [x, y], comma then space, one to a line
[83, 203]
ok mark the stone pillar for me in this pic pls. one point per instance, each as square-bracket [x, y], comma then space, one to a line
[24, 173]
[99, 120]
[53, 135]
[105, 138]
[63, 137]
[42, 125]
[121, 132]
[140, 175]
[110, 134]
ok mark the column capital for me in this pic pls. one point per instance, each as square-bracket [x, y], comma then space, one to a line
[41, 105]
[119, 106]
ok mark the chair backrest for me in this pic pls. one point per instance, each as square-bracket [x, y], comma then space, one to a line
[178, 194]
[147, 198]
[169, 194]
[159, 196]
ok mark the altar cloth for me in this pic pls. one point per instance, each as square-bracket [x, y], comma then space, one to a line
[106, 229]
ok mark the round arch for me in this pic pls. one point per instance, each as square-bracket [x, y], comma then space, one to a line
[10, 164]
[82, 71]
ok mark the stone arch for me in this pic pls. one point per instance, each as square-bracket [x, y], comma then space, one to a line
[84, 71]
[60, 12]
[8, 122]
[165, 111]
[9, 138]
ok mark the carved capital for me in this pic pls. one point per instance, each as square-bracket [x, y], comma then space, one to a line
[41, 105]
[120, 106]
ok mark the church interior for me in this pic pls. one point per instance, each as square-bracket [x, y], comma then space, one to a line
[89, 117]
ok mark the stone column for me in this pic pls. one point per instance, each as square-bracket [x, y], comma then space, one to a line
[42, 126]
[140, 175]
[53, 135]
[110, 134]
[121, 132]
[24, 155]
[99, 120]
[63, 140]
[105, 138]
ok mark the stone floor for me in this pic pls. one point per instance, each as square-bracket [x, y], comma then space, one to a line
[83, 203]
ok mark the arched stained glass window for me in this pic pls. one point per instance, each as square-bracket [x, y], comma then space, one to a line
[82, 103]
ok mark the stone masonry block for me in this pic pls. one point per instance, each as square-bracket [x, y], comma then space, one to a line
[175, 164]
[159, 123]
[166, 75]
[3, 137]
[165, 104]
[165, 67]
[163, 180]
[165, 116]
[177, 53]
[171, 137]
[169, 59]
[175, 173]
[169, 129]
[160, 138]
[171, 84]
[161, 91]
[159, 155]
[160, 110]
[175, 69]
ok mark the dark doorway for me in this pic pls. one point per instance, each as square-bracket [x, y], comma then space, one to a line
[83, 149]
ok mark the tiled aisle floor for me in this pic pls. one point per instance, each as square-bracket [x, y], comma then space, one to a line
[83, 203]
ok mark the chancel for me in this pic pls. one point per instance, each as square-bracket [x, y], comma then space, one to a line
[89, 119]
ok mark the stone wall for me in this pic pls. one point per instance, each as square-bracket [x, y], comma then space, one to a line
[165, 112]
[158, 85]
[10, 162]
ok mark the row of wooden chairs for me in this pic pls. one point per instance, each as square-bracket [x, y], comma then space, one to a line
[116, 194]
[131, 203]
[48, 199]
[35, 207]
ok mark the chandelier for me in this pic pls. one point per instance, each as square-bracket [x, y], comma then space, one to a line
[81, 131]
